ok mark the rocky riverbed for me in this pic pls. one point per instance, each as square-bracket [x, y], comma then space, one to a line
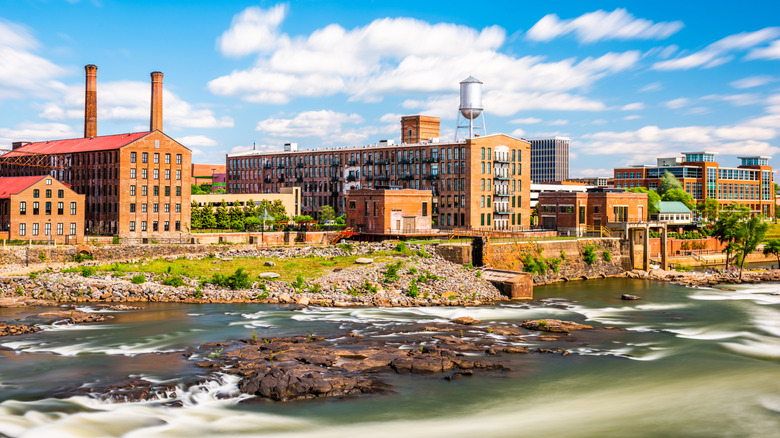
[708, 278]
[418, 279]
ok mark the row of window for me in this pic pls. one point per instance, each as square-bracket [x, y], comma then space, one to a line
[156, 208]
[155, 226]
[155, 190]
[47, 208]
[352, 159]
[46, 229]
[37, 193]
[155, 157]
[155, 174]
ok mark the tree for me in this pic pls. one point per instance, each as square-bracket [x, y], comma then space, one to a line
[681, 196]
[195, 216]
[252, 223]
[222, 216]
[302, 218]
[751, 233]
[207, 218]
[652, 198]
[195, 190]
[326, 214]
[668, 182]
[236, 214]
[708, 208]
[773, 247]
[727, 228]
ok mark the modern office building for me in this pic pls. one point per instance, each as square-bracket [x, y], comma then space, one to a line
[549, 159]
[749, 184]
[136, 185]
[481, 182]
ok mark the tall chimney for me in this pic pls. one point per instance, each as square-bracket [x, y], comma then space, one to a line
[90, 101]
[156, 122]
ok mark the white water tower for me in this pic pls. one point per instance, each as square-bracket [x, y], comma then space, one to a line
[470, 107]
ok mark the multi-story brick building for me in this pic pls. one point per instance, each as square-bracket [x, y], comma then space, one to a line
[482, 182]
[136, 185]
[749, 184]
[574, 212]
[40, 208]
[549, 159]
[389, 211]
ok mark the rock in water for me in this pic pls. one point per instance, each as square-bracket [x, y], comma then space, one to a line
[465, 320]
[629, 297]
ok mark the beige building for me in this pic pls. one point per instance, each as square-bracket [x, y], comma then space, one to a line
[290, 197]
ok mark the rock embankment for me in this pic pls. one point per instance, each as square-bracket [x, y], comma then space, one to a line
[410, 278]
[708, 278]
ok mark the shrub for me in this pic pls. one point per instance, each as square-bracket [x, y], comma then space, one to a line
[138, 279]
[118, 275]
[423, 254]
[80, 257]
[589, 254]
[390, 274]
[554, 263]
[88, 271]
[261, 296]
[239, 280]
[607, 255]
[33, 275]
[347, 247]
[400, 247]
[42, 257]
[173, 280]
[413, 291]
[412, 270]
[563, 255]
[298, 283]
[198, 293]
[115, 240]
[478, 274]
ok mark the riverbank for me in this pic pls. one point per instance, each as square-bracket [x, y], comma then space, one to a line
[707, 278]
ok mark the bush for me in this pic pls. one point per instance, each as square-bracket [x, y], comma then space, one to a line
[88, 271]
[563, 255]
[413, 291]
[607, 255]
[173, 280]
[400, 247]
[138, 279]
[589, 254]
[390, 273]
[115, 240]
[80, 257]
[42, 257]
[239, 280]
[347, 247]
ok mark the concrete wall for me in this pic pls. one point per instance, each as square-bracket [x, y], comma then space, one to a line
[459, 253]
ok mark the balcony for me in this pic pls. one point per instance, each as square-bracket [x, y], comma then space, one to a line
[334, 178]
[431, 176]
[268, 166]
[299, 179]
[502, 177]
[280, 179]
[368, 177]
[335, 163]
[352, 163]
[501, 160]
[382, 177]
[351, 178]
[503, 191]
[280, 166]
[299, 165]
[406, 161]
[369, 162]
[267, 180]
[501, 209]
[433, 159]
[383, 162]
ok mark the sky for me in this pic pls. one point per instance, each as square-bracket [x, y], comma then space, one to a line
[627, 82]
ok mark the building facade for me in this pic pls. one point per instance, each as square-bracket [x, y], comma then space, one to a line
[40, 208]
[135, 185]
[290, 197]
[483, 182]
[549, 159]
[574, 213]
[213, 174]
[749, 184]
[389, 212]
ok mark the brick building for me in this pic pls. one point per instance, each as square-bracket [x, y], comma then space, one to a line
[389, 211]
[482, 182]
[213, 174]
[574, 212]
[136, 185]
[40, 208]
[750, 184]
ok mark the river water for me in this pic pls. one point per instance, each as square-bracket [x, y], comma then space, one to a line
[689, 362]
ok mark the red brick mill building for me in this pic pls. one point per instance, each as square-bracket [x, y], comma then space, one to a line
[135, 185]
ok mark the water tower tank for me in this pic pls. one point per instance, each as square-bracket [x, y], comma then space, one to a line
[471, 98]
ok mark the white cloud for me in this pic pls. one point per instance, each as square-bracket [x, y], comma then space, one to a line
[677, 103]
[257, 147]
[526, 121]
[196, 140]
[22, 72]
[518, 133]
[633, 106]
[735, 99]
[559, 122]
[391, 118]
[717, 53]
[770, 52]
[253, 30]
[632, 117]
[601, 25]
[655, 86]
[751, 81]
[324, 124]
[34, 132]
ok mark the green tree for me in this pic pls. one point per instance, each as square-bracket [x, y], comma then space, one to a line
[751, 233]
[207, 218]
[727, 228]
[275, 209]
[326, 213]
[708, 208]
[195, 190]
[773, 247]
[222, 216]
[252, 223]
[652, 198]
[236, 213]
[668, 182]
[680, 195]
[195, 216]
[302, 218]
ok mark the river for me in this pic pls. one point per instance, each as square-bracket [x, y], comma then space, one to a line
[689, 362]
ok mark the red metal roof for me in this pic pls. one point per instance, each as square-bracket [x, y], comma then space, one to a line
[87, 144]
[11, 185]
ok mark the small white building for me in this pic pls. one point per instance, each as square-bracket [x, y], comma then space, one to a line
[674, 213]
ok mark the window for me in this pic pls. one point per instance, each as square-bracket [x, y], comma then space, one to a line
[482, 219]
[48, 193]
[144, 191]
[132, 173]
[143, 225]
[352, 205]
[22, 207]
[60, 208]
[155, 226]
[178, 158]
[132, 226]
[178, 208]
[47, 229]
[132, 157]
[36, 193]
[156, 158]
[73, 228]
[35, 229]
[178, 226]
[35, 207]
[48, 182]
[167, 190]
[424, 209]
[132, 208]
[60, 193]
[48, 208]
[155, 208]
[167, 208]
[22, 229]
[167, 173]
[144, 173]
[178, 190]
[145, 157]
[178, 174]
[166, 226]
[167, 158]
[156, 191]
[60, 230]
[143, 208]
[132, 190]
[156, 173]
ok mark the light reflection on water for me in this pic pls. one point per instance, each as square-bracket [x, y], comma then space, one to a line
[687, 362]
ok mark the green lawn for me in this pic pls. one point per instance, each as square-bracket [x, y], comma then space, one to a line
[203, 269]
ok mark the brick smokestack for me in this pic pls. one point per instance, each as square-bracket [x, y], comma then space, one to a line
[156, 122]
[90, 102]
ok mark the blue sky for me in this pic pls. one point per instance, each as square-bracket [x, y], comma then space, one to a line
[626, 81]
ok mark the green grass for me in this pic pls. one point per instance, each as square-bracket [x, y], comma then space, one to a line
[204, 269]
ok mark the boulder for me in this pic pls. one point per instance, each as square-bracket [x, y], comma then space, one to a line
[269, 275]
[364, 261]
[629, 297]
[269, 263]
[303, 301]
[465, 320]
